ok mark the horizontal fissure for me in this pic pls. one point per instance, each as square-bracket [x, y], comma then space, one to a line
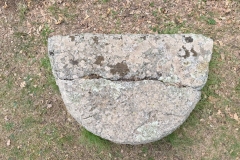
[95, 76]
[132, 79]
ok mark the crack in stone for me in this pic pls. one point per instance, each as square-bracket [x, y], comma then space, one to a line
[171, 114]
[132, 79]
[67, 79]
[90, 116]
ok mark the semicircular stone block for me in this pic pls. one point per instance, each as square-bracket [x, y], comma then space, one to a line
[132, 88]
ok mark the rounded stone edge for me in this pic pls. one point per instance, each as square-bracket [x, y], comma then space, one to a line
[135, 141]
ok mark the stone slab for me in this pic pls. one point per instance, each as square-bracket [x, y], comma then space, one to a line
[130, 89]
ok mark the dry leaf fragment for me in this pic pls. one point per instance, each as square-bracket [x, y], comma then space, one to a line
[6, 118]
[87, 16]
[128, 4]
[59, 21]
[60, 1]
[108, 12]
[219, 113]
[202, 120]
[228, 11]
[131, 12]
[220, 43]
[8, 142]
[137, 12]
[222, 18]
[5, 5]
[29, 3]
[49, 106]
[222, 56]
[164, 10]
[52, 1]
[66, 4]
[23, 84]
[210, 118]
[39, 29]
[235, 116]
[178, 20]
[227, 2]
[212, 99]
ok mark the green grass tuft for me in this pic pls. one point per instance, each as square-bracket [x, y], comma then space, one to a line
[105, 1]
[8, 126]
[53, 9]
[169, 28]
[235, 149]
[151, 4]
[22, 9]
[211, 21]
[65, 139]
[10, 83]
[26, 43]
[45, 63]
[46, 30]
[145, 149]
[56, 12]
[175, 140]
[208, 19]
[155, 14]
[92, 140]
[29, 122]
[238, 87]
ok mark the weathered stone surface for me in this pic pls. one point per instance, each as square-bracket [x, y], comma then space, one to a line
[130, 89]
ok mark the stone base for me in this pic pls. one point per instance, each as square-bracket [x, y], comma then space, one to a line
[130, 89]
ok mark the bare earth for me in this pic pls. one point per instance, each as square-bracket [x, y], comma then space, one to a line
[34, 120]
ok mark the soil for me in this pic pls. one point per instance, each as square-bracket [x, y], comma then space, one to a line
[34, 121]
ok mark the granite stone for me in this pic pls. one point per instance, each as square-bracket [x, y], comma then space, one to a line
[130, 88]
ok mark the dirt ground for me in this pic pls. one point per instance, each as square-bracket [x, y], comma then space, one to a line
[34, 121]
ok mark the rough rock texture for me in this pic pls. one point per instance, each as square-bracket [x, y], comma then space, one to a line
[130, 89]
